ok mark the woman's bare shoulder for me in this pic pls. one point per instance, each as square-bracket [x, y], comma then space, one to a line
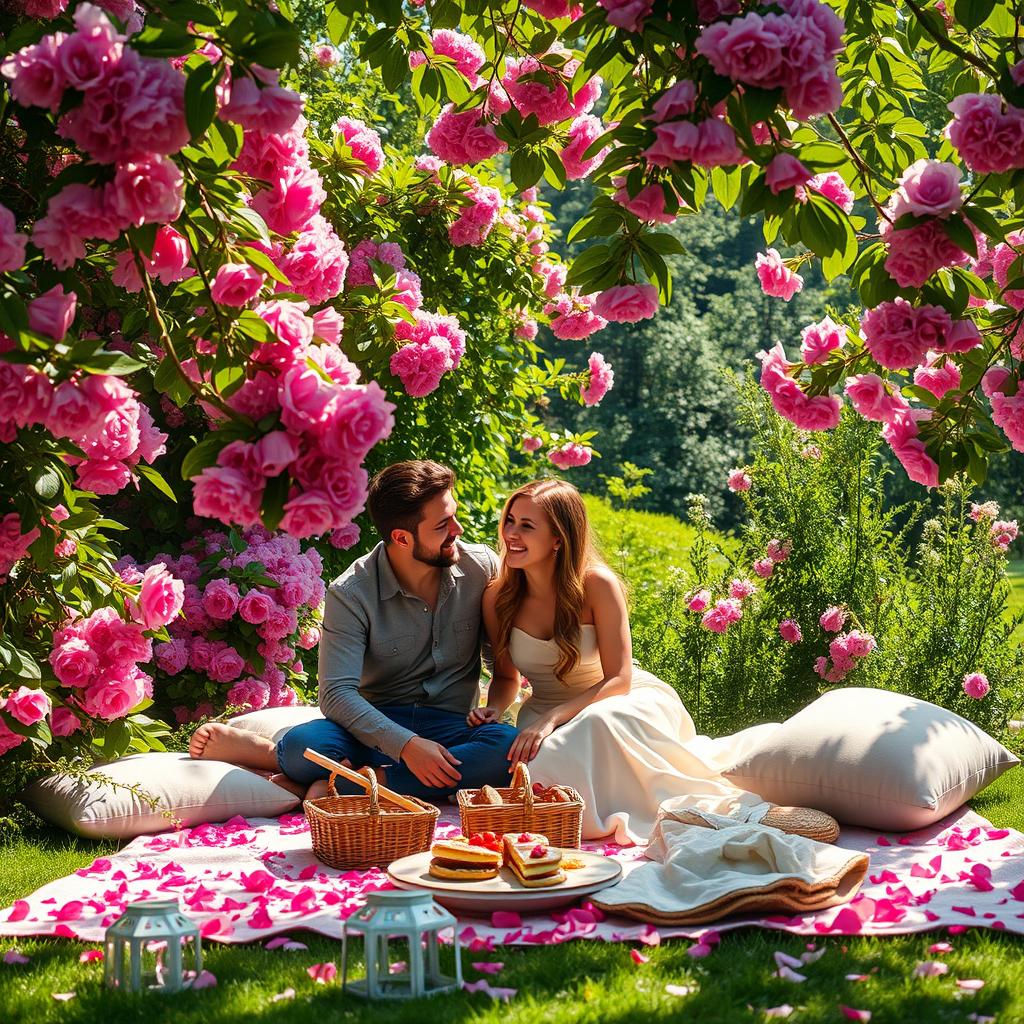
[599, 582]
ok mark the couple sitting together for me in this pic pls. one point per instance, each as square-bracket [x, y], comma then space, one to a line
[399, 668]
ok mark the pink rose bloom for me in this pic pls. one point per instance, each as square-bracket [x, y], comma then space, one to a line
[294, 198]
[289, 322]
[554, 276]
[309, 514]
[28, 706]
[275, 452]
[114, 696]
[12, 242]
[785, 171]
[553, 9]
[976, 685]
[819, 339]
[226, 495]
[789, 630]
[725, 612]
[171, 657]
[148, 191]
[356, 419]
[531, 443]
[779, 550]
[585, 130]
[160, 598]
[1003, 533]
[64, 722]
[1008, 415]
[255, 606]
[169, 258]
[859, 644]
[738, 481]
[746, 50]
[897, 334]
[464, 136]
[627, 14]
[764, 567]
[833, 188]
[699, 601]
[648, 204]
[570, 455]
[343, 538]
[52, 313]
[917, 463]
[103, 476]
[220, 599]
[716, 144]
[872, 398]
[989, 141]
[963, 336]
[35, 75]
[601, 380]
[326, 56]
[420, 367]
[674, 142]
[548, 99]
[8, 739]
[741, 589]
[822, 412]
[327, 325]
[573, 317]
[267, 108]
[309, 637]
[226, 665]
[832, 619]
[996, 381]
[363, 142]
[776, 278]
[628, 303]
[236, 284]
[819, 92]
[915, 253]
[929, 188]
[249, 693]
[677, 101]
[939, 374]
[466, 52]
[74, 662]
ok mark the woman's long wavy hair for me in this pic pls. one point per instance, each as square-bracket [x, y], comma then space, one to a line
[567, 514]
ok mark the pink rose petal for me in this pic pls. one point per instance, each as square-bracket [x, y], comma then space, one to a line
[851, 1014]
[779, 1011]
[930, 969]
[63, 997]
[288, 993]
[20, 908]
[969, 984]
[638, 957]
[488, 967]
[502, 994]
[680, 990]
[205, 980]
[12, 956]
[940, 947]
[90, 955]
[323, 973]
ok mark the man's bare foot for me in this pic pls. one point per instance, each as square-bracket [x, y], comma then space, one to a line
[217, 742]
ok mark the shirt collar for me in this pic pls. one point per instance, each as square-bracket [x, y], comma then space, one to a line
[387, 581]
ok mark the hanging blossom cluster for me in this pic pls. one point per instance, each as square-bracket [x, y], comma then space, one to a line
[270, 588]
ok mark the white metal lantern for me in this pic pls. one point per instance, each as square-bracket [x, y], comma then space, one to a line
[151, 948]
[410, 918]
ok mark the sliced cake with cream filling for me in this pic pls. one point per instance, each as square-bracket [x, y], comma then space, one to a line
[462, 860]
[533, 861]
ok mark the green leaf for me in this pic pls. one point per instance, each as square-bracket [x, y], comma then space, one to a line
[162, 38]
[971, 14]
[115, 363]
[204, 454]
[156, 479]
[395, 67]
[274, 496]
[960, 234]
[201, 97]
[526, 167]
[275, 49]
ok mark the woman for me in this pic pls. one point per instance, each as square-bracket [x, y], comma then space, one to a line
[556, 613]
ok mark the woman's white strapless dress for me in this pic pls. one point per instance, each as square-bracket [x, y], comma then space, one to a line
[628, 753]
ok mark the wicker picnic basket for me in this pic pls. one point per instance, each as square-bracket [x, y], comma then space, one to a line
[356, 832]
[519, 811]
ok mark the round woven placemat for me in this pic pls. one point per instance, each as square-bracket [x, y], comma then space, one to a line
[803, 821]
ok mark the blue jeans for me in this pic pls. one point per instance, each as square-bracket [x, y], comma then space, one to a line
[482, 749]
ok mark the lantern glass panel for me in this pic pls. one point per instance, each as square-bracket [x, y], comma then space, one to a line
[152, 947]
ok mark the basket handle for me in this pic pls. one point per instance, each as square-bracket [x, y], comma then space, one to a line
[521, 777]
[366, 778]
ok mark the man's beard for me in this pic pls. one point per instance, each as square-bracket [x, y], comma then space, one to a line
[438, 559]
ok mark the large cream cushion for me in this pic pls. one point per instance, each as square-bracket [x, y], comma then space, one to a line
[187, 791]
[273, 723]
[874, 758]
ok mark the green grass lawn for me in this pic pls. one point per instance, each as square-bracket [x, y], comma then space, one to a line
[579, 981]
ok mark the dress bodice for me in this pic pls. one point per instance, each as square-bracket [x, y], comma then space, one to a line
[536, 659]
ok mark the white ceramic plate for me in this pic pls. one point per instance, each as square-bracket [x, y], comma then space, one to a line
[504, 892]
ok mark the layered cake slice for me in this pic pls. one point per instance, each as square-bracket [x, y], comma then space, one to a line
[460, 859]
[533, 861]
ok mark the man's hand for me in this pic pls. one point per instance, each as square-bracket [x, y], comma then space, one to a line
[431, 763]
[483, 716]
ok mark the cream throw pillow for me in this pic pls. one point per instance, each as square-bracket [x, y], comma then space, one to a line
[193, 792]
[273, 723]
[874, 758]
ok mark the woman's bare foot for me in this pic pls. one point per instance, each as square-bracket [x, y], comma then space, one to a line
[217, 742]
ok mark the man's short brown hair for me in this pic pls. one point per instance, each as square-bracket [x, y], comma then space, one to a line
[399, 492]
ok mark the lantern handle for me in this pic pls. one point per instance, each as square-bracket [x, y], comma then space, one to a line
[369, 784]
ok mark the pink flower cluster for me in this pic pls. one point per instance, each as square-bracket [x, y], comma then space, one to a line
[131, 115]
[466, 53]
[602, 377]
[818, 340]
[98, 657]
[464, 136]
[832, 186]
[363, 142]
[271, 589]
[627, 303]
[777, 551]
[902, 434]
[583, 132]
[738, 480]
[477, 216]
[794, 51]
[789, 630]
[548, 100]
[845, 651]
[569, 455]
[897, 334]
[14, 544]
[989, 139]
[976, 685]
[435, 345]
[574, 317]
[12, 242]
[777, 280]
[627, 14]
[820, 412]
[25, 706]
[257, 102]
[1003, 532]
[722, 614]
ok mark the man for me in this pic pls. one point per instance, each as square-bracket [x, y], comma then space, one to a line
[399, 658]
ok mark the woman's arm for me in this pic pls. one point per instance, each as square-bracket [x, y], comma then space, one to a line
[505, 682]
[611, 620]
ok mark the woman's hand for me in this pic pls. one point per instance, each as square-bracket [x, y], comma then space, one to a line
[484, 716]
[527, 743]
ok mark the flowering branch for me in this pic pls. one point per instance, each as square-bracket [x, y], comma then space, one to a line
[862, 168]
[947, 44]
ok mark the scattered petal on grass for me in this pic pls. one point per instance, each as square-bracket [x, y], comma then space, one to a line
[12, 956]
[940, 947]
[930, 969]
[969, 984]
[851, 1014]
[779, 1011]
[398, 967]
[638, 957]
[63, 997]
[89, 955]
[504, 994]
[293, 947]
[710, 938]
[323, 973]
[680, 990]
[205, 980]
[699, 950]
[288, 993]
[788, 974]
[813, 955]
[856, 977]
[277, 943]
[488, 967]
[785, 960]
